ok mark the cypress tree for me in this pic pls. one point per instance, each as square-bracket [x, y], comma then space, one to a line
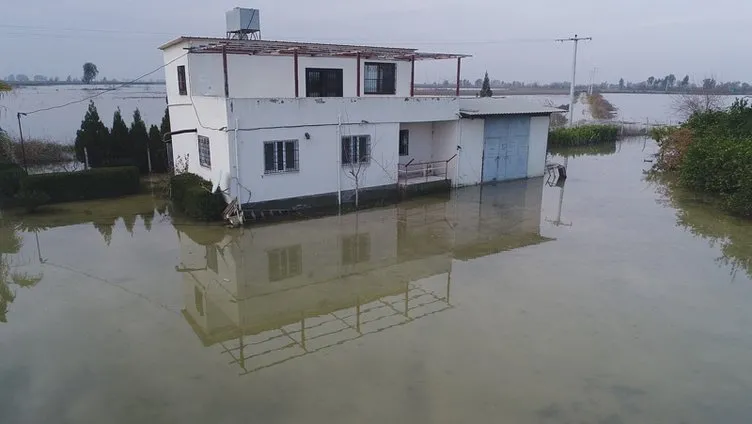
[121, 148]
[157, 149]
[486, 91]
[139, 140]
[94, 137]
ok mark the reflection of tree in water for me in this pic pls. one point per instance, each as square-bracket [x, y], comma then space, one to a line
[598, 149]
[10, 244]
[703, 218]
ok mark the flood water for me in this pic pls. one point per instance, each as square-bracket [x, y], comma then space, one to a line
[609, 300]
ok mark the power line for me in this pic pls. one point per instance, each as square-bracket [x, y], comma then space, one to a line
[115, 31]
[104, 91]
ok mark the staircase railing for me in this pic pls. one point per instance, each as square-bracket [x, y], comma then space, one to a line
[416, 172]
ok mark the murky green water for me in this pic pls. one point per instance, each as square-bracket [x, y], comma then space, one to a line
[610, 300]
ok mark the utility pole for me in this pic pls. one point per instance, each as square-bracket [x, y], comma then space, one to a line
[576, 40]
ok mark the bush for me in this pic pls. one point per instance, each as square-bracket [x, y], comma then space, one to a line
[192, 196]
[717, 155]
[582, 135]
[10, 179]
[84, 185]
[32, 200]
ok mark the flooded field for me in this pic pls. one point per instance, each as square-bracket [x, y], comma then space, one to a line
[609, 300]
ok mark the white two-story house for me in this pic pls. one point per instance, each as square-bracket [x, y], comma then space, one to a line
[279, 124]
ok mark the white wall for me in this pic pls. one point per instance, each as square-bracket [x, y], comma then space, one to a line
[208, 115]
[267, 76]
[536, 161]
[268, 113]
[470, 164]
[318, 159]
[171, 74]
[421, 142]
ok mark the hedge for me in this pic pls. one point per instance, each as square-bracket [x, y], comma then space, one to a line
[84, 185]
[583, 135]
[10, 179]
[192, 196]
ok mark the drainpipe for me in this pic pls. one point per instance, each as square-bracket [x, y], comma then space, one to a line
[224, 68]
[358, 75]
[339, 160]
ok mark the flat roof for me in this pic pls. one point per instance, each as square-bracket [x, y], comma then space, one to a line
[287, 48]
[490, 106]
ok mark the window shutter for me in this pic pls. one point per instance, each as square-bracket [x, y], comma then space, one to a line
[269, 157]
[363, 149]
[280, 156]
[290, 156]
[346, 150]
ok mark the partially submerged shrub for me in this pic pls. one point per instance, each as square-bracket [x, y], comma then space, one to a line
[582, 135]
[673, 144]
[193, 196]
[84, 185]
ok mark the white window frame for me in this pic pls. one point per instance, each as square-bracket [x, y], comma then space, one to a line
[281, 144]
[354, 143]
[204, 158]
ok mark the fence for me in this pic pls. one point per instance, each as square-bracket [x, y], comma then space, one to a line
[419, 172]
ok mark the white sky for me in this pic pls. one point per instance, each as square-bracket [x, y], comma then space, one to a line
[512, 40]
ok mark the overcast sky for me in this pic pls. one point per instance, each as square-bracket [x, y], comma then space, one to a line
[633, 39]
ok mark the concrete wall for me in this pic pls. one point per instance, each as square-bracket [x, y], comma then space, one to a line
[268, 76]
[536, 160]
[208, 115]
[270, 113]
[318, 161]
[470, 164]
[171, 75]
[421, 147]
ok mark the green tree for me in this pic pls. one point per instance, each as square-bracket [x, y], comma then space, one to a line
[621, 84]
[121, 151]
[486, 91]
[651, 81]
[139, 140]
[671, 80]
[157, 150]
[164, 127]
[685, 81]
[93, 137]
[90, 72]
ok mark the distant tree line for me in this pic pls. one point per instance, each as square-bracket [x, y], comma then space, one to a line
[122, 145]
[667, 83]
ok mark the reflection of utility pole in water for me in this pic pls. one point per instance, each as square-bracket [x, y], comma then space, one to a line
[576, 40]
[562, 184]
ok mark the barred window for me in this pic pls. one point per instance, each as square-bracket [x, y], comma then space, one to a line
[281, 156]
[285, 263]
[356, 149]
[204, 151]
[182, 85]
[356, 248]
[379, 78]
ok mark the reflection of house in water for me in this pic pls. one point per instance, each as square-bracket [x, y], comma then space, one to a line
[273, 293]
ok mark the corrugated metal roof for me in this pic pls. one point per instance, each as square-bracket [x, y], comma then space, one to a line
[283, 48]
[490, 106]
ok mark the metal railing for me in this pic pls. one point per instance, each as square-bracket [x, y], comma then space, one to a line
[417, 172]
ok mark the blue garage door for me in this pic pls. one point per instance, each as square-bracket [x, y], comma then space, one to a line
[505, 148]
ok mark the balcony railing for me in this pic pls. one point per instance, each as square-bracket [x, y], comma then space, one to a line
[423, 172]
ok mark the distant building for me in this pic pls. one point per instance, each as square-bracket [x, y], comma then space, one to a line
[278, 124]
